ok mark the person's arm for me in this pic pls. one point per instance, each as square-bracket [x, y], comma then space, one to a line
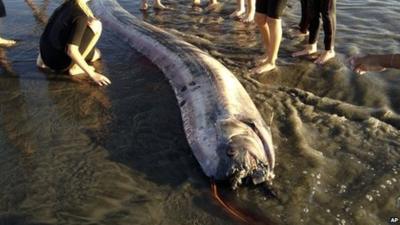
[375, 63]
[76, 56]
[79, 27]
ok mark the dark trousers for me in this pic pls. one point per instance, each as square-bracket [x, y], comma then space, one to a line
[305, 16]
[326, 9]
[2, 9]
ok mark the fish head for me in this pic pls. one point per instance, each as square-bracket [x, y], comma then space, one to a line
[248, 154]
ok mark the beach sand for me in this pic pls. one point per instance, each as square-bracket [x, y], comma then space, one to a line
[75, 153]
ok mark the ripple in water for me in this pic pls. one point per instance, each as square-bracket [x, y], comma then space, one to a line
[72, 153]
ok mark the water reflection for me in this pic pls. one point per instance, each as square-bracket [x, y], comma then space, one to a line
[39, 13]
[73, 153]
[5, 62]
[47, 123]
[330, 124]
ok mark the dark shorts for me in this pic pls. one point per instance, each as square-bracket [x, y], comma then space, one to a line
[271, 8]
[2, 9]
[59, 60]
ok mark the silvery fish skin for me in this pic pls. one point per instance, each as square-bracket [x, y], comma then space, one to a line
[224, 129]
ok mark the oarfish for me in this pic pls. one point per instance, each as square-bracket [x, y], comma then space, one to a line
[224, 129]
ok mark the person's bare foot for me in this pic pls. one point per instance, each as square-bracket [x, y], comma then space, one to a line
[40, 63]
[144, 6]
[159, 6]
[212, 6]
[197, 8]
[263, 68]
[261, 60]
[297, 33]
[237, 14]
[309, 50]
[7, 42]
[325, 56]
[248, 18]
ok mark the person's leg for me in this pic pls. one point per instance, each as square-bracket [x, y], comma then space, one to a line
[274, 23]
[159, 5]
[92, 36]
[39, 62]
[275, 37]
[240, 9]
[89, 40]
[212, 4]
[314, 21]
[313, 29]
[144, 5]
[251, 10]
[302, 29]
[305, 17]
[328, 12]
[275, 27]
[261, 21]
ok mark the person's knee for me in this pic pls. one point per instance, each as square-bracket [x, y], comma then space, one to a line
[96, 55]
[96, 26]
[260, 19]
[273, 21]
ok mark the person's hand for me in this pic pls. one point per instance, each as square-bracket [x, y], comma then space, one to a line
[366, 63]
[95, 25]
[100, 79]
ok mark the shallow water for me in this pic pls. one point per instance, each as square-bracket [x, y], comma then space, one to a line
[73, 153]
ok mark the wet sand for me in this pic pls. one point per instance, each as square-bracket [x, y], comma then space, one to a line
[74, 153]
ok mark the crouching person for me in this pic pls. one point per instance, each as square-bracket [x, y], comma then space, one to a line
[68, 41]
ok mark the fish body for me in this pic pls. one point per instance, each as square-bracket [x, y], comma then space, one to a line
[224, 129]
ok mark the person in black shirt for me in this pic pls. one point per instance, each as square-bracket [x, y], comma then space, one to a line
[68, 41]
[5, 42]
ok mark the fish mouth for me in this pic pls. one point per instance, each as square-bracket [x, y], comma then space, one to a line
[248, 167]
